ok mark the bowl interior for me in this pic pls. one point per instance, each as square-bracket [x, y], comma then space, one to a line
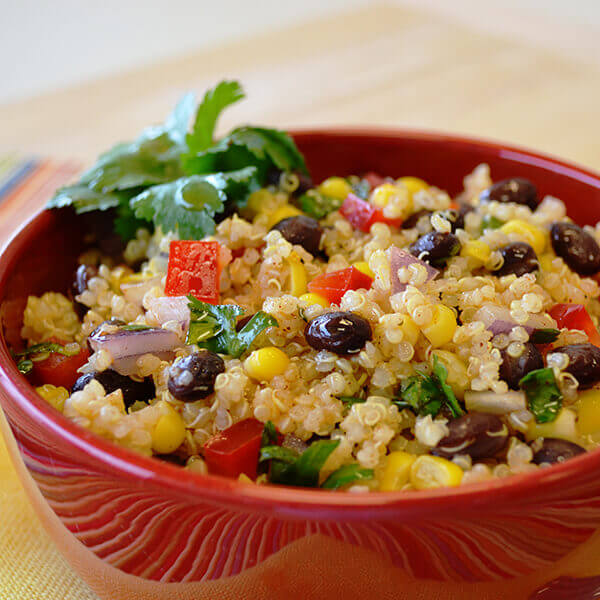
[42, 257]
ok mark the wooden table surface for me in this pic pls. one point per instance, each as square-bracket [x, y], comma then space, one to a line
[386, 65]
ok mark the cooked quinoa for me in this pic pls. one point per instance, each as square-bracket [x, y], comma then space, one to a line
[420, 339]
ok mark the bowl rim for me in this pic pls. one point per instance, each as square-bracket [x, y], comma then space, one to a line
[119, 462]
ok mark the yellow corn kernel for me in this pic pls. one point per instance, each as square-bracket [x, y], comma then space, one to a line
[335, 187]
[169, 432]
[564, 427]
[476, 249]
[588, 413]
[382, 194]
[258, 200]
[429, 472]
[409, 329]
[363, 267]
[266, 363]
[283, 212]
[396, 472]
[298, 278]
[458, 378]
[53, 395]
[545, 261]
[532, 235]
[243, 477]
[413, 184]
[442, 327]
[311, 299]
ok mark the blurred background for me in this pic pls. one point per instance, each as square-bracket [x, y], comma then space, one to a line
[79, 75]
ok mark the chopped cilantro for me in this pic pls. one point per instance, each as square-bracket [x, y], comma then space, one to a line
[290, 468]
[426, 394]
[350, 401]
[490, 222]
[316, 205]
[214, 327]
[269, 435]
[543, 396]
[345, 475]
[544, 336]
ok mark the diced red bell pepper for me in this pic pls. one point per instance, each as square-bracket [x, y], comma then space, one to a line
[575, 316]
[362, 214]
[334, 285]
[194, 268]
[235, 450]
[58, 369]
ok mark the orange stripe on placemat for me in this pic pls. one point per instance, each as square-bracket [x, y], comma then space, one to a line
[26, 198]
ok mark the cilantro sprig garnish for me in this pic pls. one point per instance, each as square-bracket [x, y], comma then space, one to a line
[543, 396]
[427, 394]
[214, 327]
[181, 180]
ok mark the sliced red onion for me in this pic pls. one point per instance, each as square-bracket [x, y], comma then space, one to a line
[402, 258]
[498, 319]
[497, 404]
[135, 292]
[125, 347]
[170, 308]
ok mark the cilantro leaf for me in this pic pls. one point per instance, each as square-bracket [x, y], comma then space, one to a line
[318, 206]
[262, 148]
[214, 102]
[25, 366]
[345, 475]
[490, 222]
[361, 188]
[269, 435]
[289, 468]
[543, 396]
[273, 452]
[151, 159]
[214, 327]
[441, 373]
[350, 401]
[426, 394]
[189, 204]
[44, 347]
[421, 394]
[83, 199]
[544, 336]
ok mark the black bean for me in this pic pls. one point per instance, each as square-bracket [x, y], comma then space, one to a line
[519, 258]
[554, 450]
[132, 390]
[301, 230]
[584, 363]
[435, 247]
[480, 435]
[512, 369]
[83, 274]
[515, 189]
[193, 377]
[456, 216]
[338, 332]
[414, 218]
[576, 247]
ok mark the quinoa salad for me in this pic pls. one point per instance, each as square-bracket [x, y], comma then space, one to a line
[364, 333]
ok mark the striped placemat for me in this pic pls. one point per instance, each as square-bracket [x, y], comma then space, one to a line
[26, 184]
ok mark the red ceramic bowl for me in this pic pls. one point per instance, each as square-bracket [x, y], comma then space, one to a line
[134, 527]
